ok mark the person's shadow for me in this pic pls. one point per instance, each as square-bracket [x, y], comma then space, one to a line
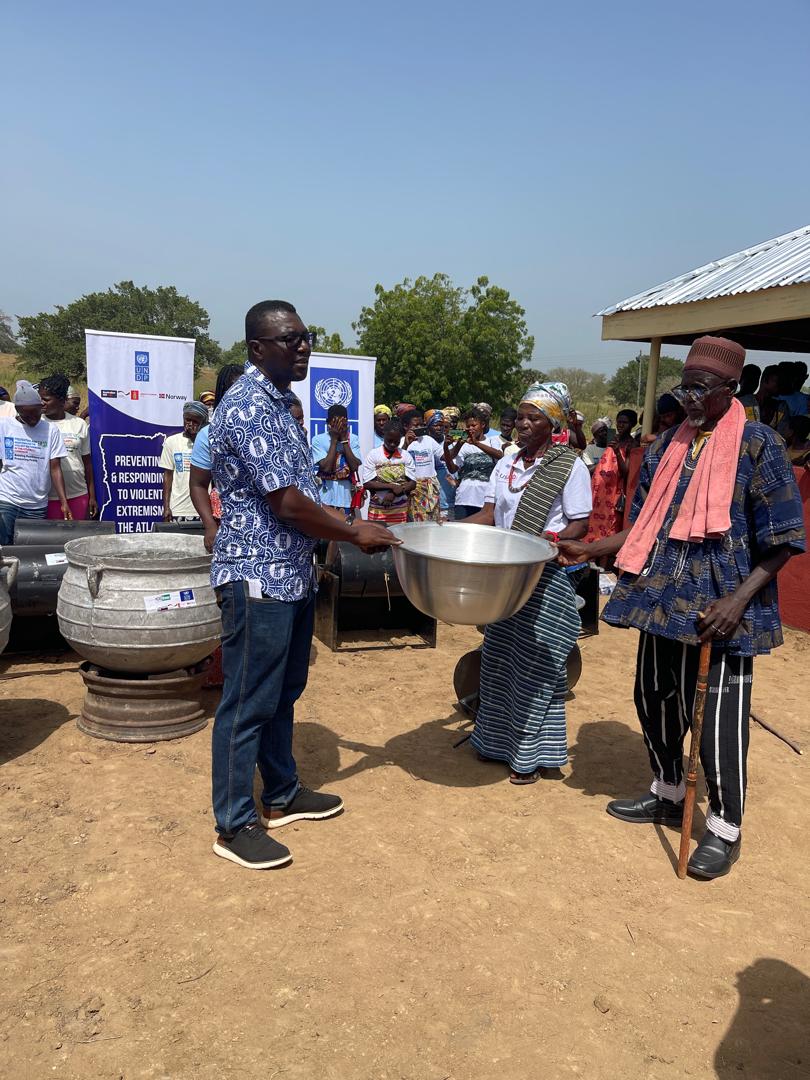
[425, 752]
[26, 722]
[769, 1037]
[609, 758]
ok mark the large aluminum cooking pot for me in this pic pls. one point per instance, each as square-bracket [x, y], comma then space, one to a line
[468, 574]
[140, 603]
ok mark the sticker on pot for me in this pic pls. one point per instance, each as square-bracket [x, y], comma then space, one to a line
[56, 558]
[168, 601]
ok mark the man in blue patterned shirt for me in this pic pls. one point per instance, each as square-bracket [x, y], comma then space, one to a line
[712, 586]
[264, 576]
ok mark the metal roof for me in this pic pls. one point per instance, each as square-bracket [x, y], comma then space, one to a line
[785, 260]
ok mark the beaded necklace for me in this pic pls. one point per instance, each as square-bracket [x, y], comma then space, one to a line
[526, 461]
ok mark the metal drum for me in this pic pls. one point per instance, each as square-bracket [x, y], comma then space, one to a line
[190, 528]
[56, 533]
[468, 574]
[361, 574]
[8, 572]
[41, 568]
[139, 603]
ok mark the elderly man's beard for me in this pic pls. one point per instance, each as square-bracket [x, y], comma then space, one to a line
[696, 421]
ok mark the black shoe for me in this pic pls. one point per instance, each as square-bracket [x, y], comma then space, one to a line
[648, 810]
[306, 806]
[253, 848]
[714, 856]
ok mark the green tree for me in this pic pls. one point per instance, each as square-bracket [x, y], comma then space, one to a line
[329, 343]
[55, 341]
[624, 386]
[8, 340]
[583, 385]
[437, 343]
[237, 354]
[524, 378]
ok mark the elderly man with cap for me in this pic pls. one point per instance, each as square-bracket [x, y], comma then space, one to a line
[716, 515]
[175, 460]
[31, 452]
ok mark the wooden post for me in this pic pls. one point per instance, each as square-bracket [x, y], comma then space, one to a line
[652, 381]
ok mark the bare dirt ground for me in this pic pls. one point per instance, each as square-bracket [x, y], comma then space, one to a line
[448, 926]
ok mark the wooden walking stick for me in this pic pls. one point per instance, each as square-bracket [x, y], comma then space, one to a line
[694, 754]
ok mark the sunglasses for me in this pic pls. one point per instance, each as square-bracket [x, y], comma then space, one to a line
[292, 341]
[696, 393]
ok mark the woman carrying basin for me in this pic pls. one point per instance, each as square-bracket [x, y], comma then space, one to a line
[544, 490]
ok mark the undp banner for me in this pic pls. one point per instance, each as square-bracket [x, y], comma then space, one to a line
[335, 379]
[137, 384]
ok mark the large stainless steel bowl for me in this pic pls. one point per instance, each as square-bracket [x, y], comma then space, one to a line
[468, 574]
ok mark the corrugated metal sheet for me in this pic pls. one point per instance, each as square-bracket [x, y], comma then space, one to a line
[785, 260]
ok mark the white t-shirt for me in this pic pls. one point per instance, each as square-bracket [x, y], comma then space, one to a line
[471, 492]
[76, 437]
[378, 457]
[25, 454]
[7, 408]
[426, 454]
[573, 504]
[176, 456]
[592, 454]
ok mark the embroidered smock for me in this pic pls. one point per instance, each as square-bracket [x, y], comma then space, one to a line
[257, 448]
[681, 578]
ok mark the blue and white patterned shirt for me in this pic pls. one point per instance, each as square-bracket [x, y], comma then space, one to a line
[256, 448]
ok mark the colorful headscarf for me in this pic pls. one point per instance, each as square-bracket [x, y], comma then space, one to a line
[434, 416]
[451, 413]
[484, 407]
[207, 397]
[382, 409]
[553, 401]
[403, 407]
[196, 408]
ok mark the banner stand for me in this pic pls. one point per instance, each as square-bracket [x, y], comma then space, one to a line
[137, 384]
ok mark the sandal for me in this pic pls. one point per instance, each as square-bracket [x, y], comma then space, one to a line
[524, 777]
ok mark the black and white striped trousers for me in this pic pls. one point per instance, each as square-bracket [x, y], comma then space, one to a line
[666, 679]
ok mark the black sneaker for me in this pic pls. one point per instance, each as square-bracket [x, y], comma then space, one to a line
[306, 806]
[253, 848]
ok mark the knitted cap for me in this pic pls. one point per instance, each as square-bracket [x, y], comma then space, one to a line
[717, 355]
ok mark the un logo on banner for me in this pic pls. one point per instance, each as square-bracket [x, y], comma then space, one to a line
[332, 391]
[141, 366]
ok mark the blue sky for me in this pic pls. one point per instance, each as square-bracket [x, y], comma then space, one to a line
[573, 153]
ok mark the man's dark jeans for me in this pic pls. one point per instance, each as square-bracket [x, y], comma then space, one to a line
[265, 661]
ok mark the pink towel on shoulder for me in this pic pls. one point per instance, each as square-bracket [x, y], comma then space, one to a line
[706, 507]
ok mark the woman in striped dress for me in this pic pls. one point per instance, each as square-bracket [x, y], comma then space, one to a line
[544, 490]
